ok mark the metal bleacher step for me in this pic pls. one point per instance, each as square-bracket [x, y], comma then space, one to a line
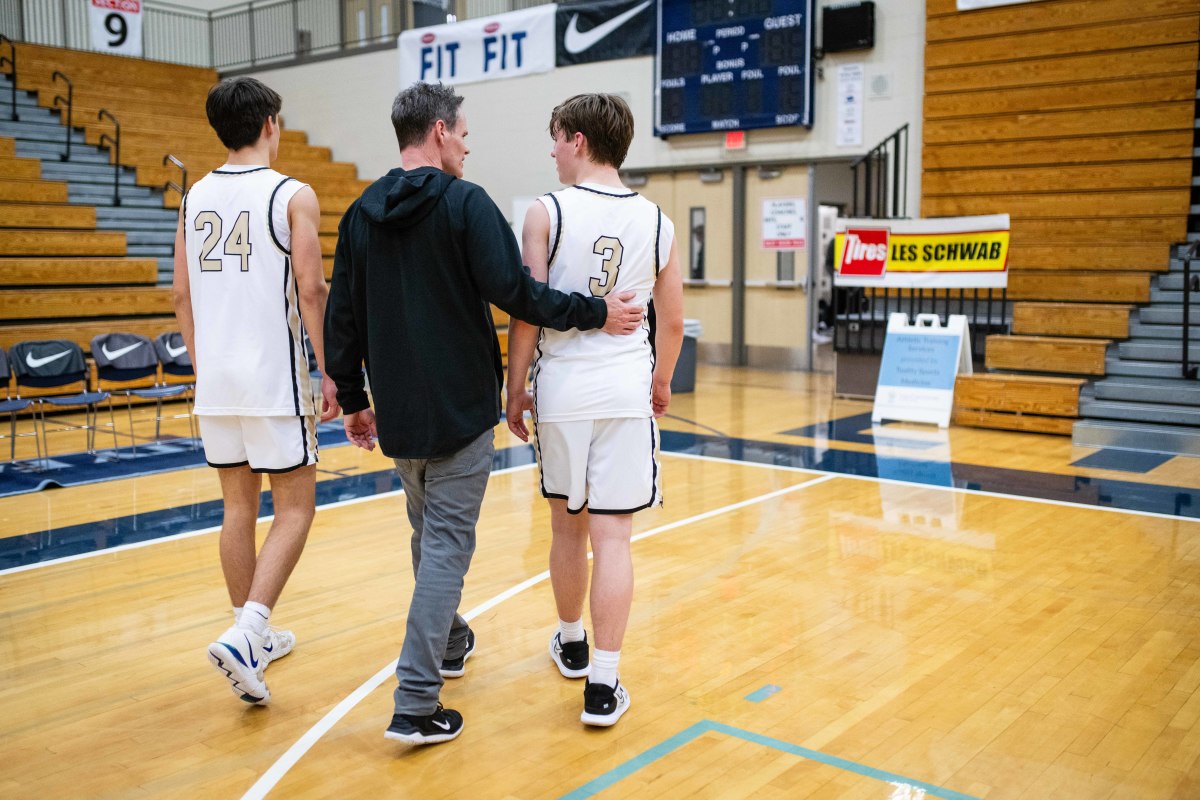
[158, 238]
[55, 151]
[49, 131]
[86, 174]
[1141, 369]
[1169, 315]
[147, 250]
[1136, 436]
[1176, 391]
[106, 198]
[1173, 333]
[1176, 263]
[1168, 414]
[1173, 298]
[1154, 350]
[1173, 281]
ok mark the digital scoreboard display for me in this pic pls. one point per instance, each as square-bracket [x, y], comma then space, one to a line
[732, 65]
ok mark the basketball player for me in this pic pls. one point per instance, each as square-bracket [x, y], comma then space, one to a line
[595, 397]
[248, 284]
[419, 257]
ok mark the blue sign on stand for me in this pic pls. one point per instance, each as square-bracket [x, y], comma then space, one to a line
[920, 363]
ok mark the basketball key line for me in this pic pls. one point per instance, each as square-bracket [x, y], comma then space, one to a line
[284, 763]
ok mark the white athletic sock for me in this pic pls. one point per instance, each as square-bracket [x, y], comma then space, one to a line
[254, 617]
[604, 666]
[570, 631]
[237, 614]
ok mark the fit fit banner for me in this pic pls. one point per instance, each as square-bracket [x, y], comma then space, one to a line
[602, 30]
[943, 253]
[483, 49]
[116, 26]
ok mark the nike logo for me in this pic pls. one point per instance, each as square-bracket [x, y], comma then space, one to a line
[576, 41]
[176, 353]
[443, 725]
[38, 362]
[113, 355]
[253, 660]
[270, 649]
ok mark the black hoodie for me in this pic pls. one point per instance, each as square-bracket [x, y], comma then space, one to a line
[419, 258]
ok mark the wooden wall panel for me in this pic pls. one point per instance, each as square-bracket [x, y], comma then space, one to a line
[1163, 174]
[1059, 124]
[1178, 87]
[944, 24]
[1054, 152]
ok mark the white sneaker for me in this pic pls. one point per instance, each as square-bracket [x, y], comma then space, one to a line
[279, 644]
[239, 655]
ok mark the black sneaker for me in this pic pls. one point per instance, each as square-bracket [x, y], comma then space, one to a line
[603, 705]
[457, 667]
[440, 726]
[570, 657]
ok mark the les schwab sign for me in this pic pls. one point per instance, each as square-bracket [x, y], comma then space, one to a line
[954, 252]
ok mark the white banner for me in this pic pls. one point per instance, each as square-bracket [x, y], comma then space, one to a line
[484, 49]
[971, 5]
[116, 26]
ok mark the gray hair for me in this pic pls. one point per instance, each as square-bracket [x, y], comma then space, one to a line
[417, 108]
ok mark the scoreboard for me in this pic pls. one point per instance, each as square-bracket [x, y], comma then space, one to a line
[732, 65]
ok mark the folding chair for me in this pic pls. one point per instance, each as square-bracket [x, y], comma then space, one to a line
[12, 406]
[54, 364]
[123, 357]
[176, 362]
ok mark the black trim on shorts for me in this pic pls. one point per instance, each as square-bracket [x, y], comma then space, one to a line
[653, 484]
[304, 440]
[616, 511]
[227, 466]
[558, 230]
[267, 471]
[271, 215]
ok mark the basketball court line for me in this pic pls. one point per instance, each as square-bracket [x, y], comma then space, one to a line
[284, 763]
[684, 737]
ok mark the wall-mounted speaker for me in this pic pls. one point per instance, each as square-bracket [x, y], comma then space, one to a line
[848, 26]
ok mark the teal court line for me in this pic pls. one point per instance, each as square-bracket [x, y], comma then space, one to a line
[763, 693]
[665, 748]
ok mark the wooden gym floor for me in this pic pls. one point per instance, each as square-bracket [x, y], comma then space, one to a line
[822, 610]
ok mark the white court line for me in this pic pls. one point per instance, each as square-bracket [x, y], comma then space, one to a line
[958, 489]
[203, 531]
[302, 745]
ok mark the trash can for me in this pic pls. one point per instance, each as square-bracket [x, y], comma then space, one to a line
[684, 378]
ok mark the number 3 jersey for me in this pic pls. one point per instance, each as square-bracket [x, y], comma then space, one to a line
[250, 355]
[602, 239]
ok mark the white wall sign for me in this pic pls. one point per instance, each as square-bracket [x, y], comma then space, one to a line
[116, 26]
[483, 49]
[971, 5]
[850, 79]
[918, 368]
[784, 223]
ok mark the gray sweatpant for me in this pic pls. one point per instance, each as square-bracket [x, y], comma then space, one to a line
[444, 496]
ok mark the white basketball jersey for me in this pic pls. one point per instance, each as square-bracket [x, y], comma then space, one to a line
[250, 356]
[602, 239]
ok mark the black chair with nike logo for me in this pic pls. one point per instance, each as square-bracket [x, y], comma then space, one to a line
[177, 369]
[12, 406]
[58, 364]
[125, 357]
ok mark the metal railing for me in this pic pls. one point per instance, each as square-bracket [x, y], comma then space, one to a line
[1188, 369]
[11, 60]
[861, 315]
[180, 187]
[116, 143]
[881, 179]
[69, 101]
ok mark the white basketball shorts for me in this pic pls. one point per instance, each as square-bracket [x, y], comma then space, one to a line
[265, 444]
[609, 465]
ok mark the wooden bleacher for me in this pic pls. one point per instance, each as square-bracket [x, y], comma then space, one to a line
[1077, 119]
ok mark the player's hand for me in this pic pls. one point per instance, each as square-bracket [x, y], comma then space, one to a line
[360, 429]
[623, 318]
[518, 403]
[329, 403]
[660, 397]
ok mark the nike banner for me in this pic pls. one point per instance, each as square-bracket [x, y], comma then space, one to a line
[602, 30]
[481, 49]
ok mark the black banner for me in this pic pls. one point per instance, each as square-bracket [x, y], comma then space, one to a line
[602, 30]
